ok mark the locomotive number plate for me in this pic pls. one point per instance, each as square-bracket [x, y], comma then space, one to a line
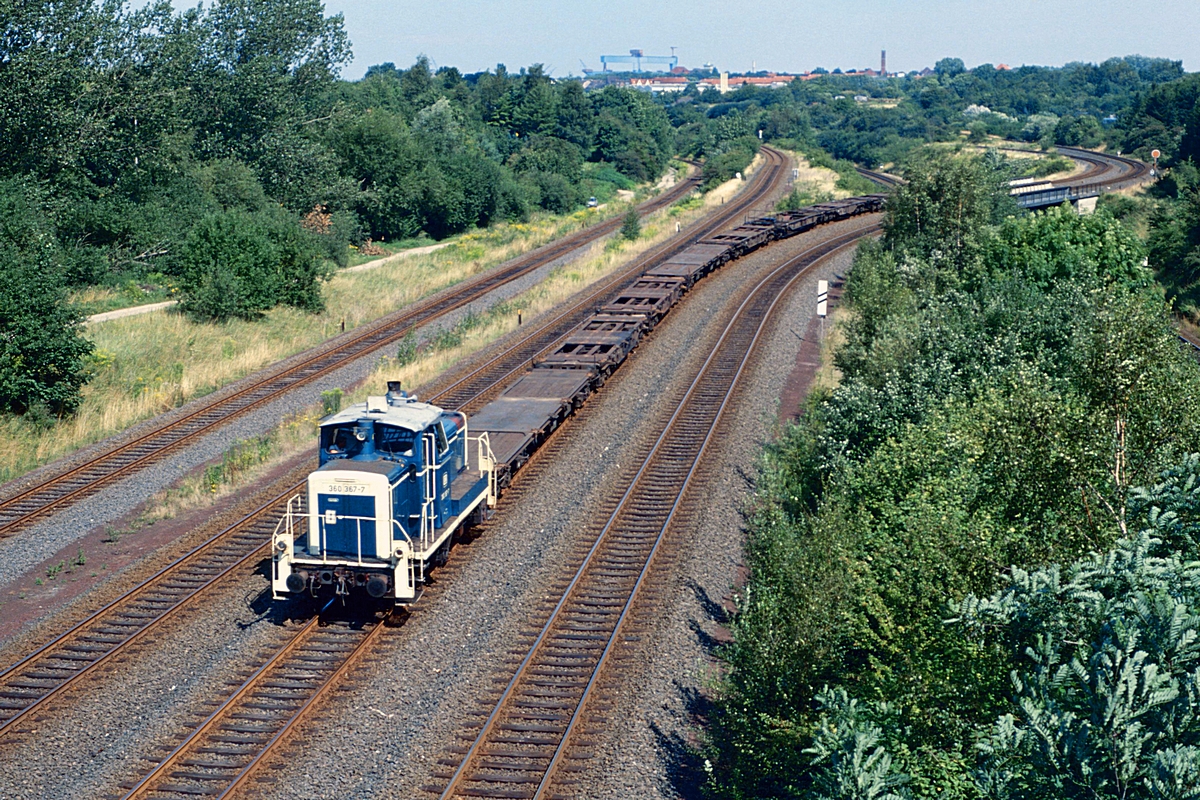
[344, 488]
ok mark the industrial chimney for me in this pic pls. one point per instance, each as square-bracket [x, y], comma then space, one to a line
[883, 63]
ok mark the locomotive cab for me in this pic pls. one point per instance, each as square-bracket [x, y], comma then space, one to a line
[397, 478]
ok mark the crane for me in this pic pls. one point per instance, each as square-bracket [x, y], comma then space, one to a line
[637, 57]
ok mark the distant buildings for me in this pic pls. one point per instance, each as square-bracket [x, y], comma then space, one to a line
[660, 84]
[727, 82]
[680, 79]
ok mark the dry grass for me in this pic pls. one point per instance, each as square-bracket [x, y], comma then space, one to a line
[244, 462]
[816, 181]
[829, 376]
[248, 460]
[149, 364]
[599, 261]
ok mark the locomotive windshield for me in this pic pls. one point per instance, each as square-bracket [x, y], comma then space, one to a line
[394, 441]
[341, 441]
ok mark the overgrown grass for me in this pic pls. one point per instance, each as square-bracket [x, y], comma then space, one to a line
[149, 364]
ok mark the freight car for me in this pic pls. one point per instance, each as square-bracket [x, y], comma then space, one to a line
[398, 477]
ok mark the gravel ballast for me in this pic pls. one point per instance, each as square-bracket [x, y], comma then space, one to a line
[49, 536]
[385, 743]
[384, 734]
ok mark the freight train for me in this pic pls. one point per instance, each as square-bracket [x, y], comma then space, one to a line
[397, 478]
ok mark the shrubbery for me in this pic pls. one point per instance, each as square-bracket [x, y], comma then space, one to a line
[1006, 383]
[236, 264]
[41, 350]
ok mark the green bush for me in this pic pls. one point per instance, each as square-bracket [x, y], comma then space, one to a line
[631, 225]
[42, 351]
[1006, 383]
[237, 264]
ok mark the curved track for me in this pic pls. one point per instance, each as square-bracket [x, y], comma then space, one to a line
[1106, 173]
[31, 684]
[882, 178]
[532, 733]
[23, 508]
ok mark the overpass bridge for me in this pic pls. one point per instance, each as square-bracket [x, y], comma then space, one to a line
[1104, 173]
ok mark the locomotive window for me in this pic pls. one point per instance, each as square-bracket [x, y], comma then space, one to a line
[340, 441]
[440, 434]
[393, 440]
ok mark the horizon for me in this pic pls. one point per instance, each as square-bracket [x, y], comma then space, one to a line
[916, 34]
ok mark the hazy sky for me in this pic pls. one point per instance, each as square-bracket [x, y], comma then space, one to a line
[473, 35]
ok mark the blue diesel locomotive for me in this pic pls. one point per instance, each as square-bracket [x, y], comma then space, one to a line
[397, 478]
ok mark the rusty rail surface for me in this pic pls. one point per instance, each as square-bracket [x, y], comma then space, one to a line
[21, 509]
[529, 736]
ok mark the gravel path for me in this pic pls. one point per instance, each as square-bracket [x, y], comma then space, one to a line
[389, 728]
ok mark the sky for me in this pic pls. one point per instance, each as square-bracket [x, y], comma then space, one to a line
[789, 35]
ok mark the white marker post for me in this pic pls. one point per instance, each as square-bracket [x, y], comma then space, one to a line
[822, 304]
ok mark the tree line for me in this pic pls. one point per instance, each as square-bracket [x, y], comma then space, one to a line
[974, 561]
[217, 149]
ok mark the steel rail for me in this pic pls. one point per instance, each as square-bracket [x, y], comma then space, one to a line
[768, 181]
[1131, 171]
[767, 292]
[521, 354]
[152, 782]
[63, 489]
[882, 178]
[59, 655]
[46, 662]
[1191, 343]
[778, 294]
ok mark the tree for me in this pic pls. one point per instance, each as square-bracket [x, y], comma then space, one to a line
[631, 226]
[1107, 675]
[943, 208]
[1078, 131]
[235, 264]
[949, 67]
[42, 350]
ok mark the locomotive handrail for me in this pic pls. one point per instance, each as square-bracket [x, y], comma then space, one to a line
[358, 519]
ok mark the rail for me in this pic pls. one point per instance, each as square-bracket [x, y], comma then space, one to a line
[84, 480]
[271, 700]
[562, 666]
[129, 618]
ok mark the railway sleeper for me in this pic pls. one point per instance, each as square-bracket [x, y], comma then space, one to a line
[250, 729]
[203, 763]
[185, 775]
[495, 777]
[229, 738]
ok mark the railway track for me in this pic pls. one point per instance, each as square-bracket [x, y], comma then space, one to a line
[537, 727]
[1191, 343]
[882, 178]
[25, 507]
[219, 755]
[31, 685]
[1101, 177]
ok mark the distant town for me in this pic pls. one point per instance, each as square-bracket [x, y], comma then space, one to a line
[638, 71]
